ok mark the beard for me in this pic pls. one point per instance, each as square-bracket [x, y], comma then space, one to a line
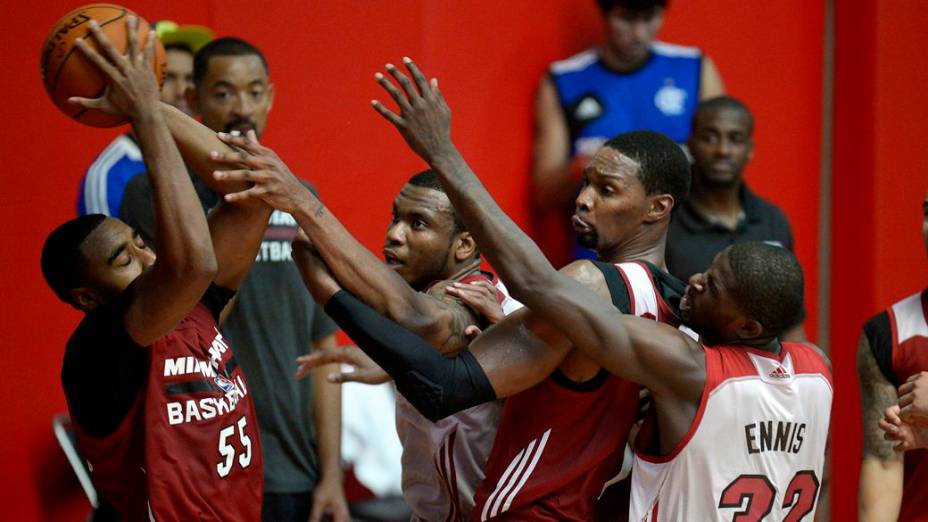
[589, 240]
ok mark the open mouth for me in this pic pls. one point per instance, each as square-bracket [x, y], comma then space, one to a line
[391, 259]
[580, 226]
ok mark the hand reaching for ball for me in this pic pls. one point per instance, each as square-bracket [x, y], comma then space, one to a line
[133, 89]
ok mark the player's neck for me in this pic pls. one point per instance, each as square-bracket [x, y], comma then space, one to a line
[720, 202]
[768, 345]
[638, 249]
[464, 270]
[613, 61]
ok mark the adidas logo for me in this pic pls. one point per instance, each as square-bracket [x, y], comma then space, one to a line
[779, 373]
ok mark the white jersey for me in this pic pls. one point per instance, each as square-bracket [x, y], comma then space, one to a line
[756, 448]
[443, 461]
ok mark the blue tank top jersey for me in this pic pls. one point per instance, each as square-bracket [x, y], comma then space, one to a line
[103, 185]
[600, 103]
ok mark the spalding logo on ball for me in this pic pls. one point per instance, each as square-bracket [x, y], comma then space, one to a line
[67, 72]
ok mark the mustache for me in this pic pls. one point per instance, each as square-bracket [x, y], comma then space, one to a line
[240, 123]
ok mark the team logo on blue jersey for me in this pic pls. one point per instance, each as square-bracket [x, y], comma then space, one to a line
[670, 99]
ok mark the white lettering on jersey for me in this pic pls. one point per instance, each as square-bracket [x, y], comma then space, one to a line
[187, 365]
[192, 410]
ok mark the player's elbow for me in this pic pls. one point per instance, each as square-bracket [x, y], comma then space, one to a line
[202, 267]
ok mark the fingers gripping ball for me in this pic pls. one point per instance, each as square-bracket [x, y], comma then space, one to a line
[67, 72]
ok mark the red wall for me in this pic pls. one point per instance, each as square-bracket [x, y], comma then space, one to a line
[488, 55]
[881, 175]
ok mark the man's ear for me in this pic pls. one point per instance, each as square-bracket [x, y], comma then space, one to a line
[85, 299]
[270, 96]
[749, 329]
[661, 205]
[465, 247]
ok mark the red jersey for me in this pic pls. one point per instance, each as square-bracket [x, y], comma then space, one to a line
[559, 442]
[188, 447]
[902, 351]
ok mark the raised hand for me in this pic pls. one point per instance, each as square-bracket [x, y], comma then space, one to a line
[424, 119]
[913, 400]
[133, 89]
[365, 369]
[481, 296]
[272, 180]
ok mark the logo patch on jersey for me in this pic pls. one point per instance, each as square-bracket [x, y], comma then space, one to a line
[587, 109]
[224, 384]
[670, 99]
[772, 371]
[779, 373]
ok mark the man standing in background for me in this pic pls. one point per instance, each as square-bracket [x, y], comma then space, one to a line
[720, 210]
[630, 82]
[273, 320]
[103, 185]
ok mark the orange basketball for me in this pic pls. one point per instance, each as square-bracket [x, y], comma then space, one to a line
[67, 72]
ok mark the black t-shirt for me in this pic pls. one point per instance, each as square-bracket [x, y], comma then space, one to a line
[693, 241]
[104, 369]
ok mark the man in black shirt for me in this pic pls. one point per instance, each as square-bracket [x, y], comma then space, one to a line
[721, 210]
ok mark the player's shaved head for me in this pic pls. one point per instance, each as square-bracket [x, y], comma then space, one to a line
[428, 179]
[768, 284]
[664, 168]
[63, 264]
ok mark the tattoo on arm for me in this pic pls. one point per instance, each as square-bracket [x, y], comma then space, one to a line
[459, 316]
[876, 394]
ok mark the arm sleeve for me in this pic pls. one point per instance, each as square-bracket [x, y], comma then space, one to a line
[436, 386]
[880, 334]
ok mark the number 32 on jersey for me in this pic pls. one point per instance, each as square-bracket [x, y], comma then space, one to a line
[760, 494]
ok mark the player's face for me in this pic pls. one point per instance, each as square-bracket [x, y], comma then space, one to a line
[630, 33]
[235, 94]
[708, 306]
[420, 236]
[612, 203]
[115, 255]
[721, 145]
[178, 77]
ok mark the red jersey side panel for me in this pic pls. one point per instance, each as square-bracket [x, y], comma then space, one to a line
[910, 356]
[193, 431]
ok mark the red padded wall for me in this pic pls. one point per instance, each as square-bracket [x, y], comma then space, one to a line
[488, 55]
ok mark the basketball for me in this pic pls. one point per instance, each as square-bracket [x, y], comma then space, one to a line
[67, 72]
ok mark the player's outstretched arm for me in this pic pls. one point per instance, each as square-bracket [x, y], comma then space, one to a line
[424, 121]
[880, 494]
[439, 318]
[436, 386]
[653, 354]
[186, 264]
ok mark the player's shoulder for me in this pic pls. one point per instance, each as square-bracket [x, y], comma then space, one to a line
[670, 50]
[575, 63]
[812, 355]
[584, 271]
